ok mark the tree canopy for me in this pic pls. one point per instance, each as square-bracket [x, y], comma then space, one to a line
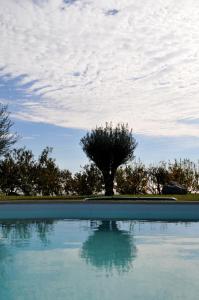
[109, 147]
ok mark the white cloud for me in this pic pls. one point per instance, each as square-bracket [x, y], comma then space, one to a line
[97, 61]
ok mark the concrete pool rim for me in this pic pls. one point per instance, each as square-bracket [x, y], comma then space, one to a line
[103, 201]
[100, 209]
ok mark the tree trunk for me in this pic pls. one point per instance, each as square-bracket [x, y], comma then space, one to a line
[158, 188]
[108, 181]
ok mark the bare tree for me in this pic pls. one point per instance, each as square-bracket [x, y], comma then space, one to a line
[6, 138]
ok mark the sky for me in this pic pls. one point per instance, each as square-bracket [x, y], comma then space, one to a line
[69, 65]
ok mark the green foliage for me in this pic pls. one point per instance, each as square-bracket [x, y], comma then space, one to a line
[157, 177]
[88, 181]
[132, 179]
[66, 180]
[186, 173]
[18, 172]
[48, 179]
[21, 174]
[26, 170]
[109, 147]
[9, 175]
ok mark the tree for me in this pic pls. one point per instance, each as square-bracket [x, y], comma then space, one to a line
[6, 138]
[88, 181]
[18, 172]
[132, 179]
[185, 172]
[27, 170]
[9, 175]
[158, 176]
[49, 181]
[66, 180]
[109, 148]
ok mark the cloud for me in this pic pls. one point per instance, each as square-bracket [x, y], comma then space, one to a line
[78, 65]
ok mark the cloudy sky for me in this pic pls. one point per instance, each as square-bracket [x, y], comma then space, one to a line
[68, 65]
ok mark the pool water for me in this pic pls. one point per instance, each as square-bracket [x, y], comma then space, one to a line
[82, 260]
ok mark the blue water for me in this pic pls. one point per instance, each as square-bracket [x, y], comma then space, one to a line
[82, 260]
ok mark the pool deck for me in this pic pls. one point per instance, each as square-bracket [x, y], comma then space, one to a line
[159, 210]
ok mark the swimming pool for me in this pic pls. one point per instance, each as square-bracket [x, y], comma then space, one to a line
[98, 259]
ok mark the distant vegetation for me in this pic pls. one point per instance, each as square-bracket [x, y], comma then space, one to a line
[21, 173]
[110, 149]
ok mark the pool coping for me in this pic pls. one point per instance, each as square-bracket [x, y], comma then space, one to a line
[100, 210]
[86, 202]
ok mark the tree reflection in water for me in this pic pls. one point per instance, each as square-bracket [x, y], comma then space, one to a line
[109, 247]
[22, 231]
[18, 234]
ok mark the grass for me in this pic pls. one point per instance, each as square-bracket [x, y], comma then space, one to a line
[13, 198]
[188, 197]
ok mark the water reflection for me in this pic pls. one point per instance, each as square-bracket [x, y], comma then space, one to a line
[109, 247]
[19, 232]
[17, 235]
